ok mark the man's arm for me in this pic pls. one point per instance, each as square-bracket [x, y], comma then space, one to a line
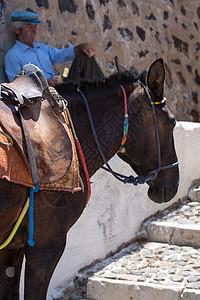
[59, 56]
[66, 55]
[12, 67]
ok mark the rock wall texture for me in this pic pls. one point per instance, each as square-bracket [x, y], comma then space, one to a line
[136, 31]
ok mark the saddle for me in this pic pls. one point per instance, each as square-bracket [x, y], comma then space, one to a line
[42, 139]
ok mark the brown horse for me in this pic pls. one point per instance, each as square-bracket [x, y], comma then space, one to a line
[56, 212]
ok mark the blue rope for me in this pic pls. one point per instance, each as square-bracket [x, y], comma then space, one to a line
[31, 193]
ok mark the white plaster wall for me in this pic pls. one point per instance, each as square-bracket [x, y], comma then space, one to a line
[116, 211]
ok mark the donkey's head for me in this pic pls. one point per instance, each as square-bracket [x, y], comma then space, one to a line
[149, 148]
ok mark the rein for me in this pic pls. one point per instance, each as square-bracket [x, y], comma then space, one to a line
[130, 179]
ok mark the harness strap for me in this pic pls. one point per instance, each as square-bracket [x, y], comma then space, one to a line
[79, 149]
[30, 152]
[126, 124]
[82, 158]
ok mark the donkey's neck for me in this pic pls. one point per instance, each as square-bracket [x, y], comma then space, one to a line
[107, 110]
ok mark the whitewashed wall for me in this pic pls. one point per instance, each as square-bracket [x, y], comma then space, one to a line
[116, 211]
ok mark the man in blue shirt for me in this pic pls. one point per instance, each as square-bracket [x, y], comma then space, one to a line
[27, 51]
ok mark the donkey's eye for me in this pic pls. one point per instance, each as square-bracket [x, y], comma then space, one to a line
[172, 123]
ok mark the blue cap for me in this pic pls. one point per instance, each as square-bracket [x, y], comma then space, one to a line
[25, 16]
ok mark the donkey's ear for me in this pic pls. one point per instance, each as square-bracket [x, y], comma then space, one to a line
[119, 66]
[155, 78]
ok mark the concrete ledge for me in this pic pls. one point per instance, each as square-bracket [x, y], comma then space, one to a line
[107, 289]
[179, 234]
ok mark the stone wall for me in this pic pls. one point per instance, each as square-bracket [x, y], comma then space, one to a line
[136, 31]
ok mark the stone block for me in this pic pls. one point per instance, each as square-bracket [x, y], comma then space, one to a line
[194, 194]
[107, 289]
[190, 295]
[180, 234]
[159, 232]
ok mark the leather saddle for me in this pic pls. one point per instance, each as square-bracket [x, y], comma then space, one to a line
[26, 115]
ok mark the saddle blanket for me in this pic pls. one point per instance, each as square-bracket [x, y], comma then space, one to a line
[53, 145]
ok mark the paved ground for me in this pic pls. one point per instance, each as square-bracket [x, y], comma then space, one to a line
[163, 266]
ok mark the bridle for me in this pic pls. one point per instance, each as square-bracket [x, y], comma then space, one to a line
[159, 168]
[130, 179]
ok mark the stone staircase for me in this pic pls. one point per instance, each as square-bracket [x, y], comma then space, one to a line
[163, 265]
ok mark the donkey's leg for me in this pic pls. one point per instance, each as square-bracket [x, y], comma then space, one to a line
[55, 213]
[10, 269]
[40, 265]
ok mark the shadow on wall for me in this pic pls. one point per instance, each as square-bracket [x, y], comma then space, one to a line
[3, 77]
[7, 36]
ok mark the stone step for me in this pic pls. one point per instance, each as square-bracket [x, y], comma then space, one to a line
[180, 226]
[194, 193]
[147, 270]
[178, 234]
[109, 289]
[165, 264]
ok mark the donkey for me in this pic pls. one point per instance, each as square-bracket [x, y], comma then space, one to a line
[148, 147]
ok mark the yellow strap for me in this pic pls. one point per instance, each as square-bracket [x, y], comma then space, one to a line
[13, 232]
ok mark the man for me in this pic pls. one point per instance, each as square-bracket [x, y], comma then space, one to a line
[44, 57]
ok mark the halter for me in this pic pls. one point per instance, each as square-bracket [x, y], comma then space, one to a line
[130, 179]
[155, 172]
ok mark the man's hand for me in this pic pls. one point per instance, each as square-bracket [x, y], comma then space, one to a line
[89, 50]
[55, 80]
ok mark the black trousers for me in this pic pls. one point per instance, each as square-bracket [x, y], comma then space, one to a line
[84, 67]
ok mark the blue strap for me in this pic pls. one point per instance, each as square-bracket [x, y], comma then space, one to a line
[31, 193]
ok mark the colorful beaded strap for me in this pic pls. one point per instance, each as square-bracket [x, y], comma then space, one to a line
[126, 124]
[160, 102]
[122, 149]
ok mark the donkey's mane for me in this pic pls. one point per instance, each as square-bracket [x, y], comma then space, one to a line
[109, 82]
